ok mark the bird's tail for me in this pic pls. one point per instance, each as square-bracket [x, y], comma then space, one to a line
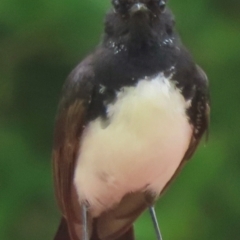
[63, 233]
[129, 235]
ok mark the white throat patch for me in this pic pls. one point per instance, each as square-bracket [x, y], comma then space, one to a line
[141, 147]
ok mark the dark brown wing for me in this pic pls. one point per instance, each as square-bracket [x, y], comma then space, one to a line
[70, 121]
[199, 115]
[200, 112]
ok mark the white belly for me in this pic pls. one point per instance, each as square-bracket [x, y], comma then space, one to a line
[141, 148]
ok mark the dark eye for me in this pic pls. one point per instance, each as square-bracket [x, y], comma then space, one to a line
[162, 5]
[120, 6]
[116, 4]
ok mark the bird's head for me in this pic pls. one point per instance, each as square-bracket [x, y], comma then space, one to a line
[138, 20]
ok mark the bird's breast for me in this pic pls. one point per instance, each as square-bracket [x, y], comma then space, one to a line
[139, 146]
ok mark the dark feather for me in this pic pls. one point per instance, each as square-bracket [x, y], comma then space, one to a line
[70, 122]
[114, 223]
[62, 232]
[201, 96]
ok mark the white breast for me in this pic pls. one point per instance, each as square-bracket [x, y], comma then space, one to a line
[141, 147]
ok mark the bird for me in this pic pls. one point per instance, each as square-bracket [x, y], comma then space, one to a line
[131, 114]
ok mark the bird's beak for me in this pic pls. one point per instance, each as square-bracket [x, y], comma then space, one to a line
[138, 7]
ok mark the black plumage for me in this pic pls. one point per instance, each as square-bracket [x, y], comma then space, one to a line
[137, 44]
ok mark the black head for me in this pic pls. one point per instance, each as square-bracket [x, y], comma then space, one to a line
[138, 21]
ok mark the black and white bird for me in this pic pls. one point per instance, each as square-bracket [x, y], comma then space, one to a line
[130, 116]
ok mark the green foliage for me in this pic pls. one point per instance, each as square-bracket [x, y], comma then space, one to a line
[40, 42]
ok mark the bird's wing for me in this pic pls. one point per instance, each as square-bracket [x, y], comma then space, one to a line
[73, 108]
[200, 115]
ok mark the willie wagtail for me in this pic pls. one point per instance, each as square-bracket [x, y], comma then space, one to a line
[130, 116]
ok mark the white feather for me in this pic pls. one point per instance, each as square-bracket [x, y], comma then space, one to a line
[141, 148]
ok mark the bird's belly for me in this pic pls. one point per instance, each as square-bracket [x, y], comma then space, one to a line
[143, 144]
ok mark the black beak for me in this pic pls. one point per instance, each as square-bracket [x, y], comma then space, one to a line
[138, 7]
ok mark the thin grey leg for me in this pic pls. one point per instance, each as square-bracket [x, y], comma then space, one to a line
[155, 222]
[85, 222]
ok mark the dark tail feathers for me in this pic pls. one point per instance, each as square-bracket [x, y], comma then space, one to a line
[63, 234]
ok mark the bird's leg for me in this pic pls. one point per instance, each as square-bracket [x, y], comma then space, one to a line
[85, 222]
[155, 222]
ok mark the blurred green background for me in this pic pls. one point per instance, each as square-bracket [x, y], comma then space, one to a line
[40, 42]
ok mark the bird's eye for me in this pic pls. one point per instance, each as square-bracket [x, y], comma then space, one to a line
[120, 6]
[162, 5]
[116, 4]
